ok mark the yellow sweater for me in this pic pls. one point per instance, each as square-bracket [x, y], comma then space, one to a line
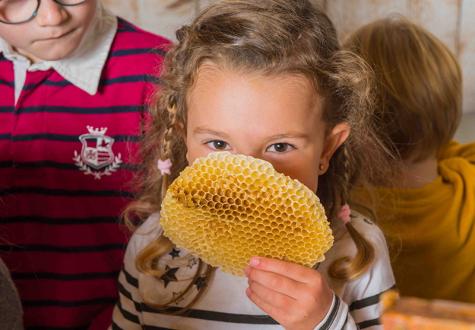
[431, 230]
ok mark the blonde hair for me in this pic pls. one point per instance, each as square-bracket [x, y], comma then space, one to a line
[271, 37]
[419, 85]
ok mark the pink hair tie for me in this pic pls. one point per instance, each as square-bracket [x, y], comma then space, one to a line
[164, 166]
[345, 213]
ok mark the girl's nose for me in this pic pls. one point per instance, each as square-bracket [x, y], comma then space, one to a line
[51, 13]
[248, 152]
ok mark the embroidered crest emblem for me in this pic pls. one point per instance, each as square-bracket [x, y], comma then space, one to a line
[96, 157]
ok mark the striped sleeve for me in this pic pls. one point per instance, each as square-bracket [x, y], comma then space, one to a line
[337, 317]
[128, 310]
[126, 313]
[340, 315]
[357, 306]
[363, 293]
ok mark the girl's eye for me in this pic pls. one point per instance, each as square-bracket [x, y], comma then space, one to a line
[218, 145]
[280, 147]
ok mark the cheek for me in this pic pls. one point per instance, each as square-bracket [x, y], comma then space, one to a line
[85, 17]
[315, 187]
[305, 172]
[310, 179]
[194, 150]
[15, 36]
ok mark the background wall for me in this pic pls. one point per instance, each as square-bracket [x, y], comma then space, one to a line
[450, 20]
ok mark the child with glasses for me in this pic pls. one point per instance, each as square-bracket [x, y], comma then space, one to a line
[73, 83]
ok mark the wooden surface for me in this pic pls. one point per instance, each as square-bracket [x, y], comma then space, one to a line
[419, 314]
[450, 20]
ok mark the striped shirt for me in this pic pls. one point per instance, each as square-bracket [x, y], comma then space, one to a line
[224, 304]
[67, 154]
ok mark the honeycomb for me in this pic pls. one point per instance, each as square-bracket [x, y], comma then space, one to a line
[226, 208]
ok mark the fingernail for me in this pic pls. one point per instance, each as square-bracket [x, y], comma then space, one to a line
[254, 262]
[248, 291]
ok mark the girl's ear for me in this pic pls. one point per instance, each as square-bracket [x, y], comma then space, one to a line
[333, 141]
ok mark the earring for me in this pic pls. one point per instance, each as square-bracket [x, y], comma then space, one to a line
[321, 167]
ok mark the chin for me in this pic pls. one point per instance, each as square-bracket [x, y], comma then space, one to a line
[54, 50]
[55, 57]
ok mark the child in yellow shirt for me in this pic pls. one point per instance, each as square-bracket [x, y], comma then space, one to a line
[428, 216]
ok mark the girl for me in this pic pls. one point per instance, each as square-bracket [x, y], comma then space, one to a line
[266, 79]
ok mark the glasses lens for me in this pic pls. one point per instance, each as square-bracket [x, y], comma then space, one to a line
[17, 11]
[70, 2]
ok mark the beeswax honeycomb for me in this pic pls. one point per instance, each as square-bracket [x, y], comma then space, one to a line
[227, 208]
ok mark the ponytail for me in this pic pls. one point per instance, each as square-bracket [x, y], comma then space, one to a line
[346, 268]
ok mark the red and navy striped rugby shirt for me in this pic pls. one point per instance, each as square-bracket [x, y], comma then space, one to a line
[66, 160]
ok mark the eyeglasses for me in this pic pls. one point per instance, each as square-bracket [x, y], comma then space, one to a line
[22, 11]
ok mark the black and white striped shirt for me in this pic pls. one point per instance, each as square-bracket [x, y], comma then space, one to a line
[224, 305]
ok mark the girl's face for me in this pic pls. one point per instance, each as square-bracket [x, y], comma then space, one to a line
[274, 118]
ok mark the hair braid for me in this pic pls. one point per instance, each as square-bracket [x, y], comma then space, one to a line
[166, 148]
[147, 259]
[347, 268]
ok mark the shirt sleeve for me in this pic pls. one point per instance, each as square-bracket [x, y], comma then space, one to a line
[357, 306]
[363, 293]
[127, 312]
[337, 317]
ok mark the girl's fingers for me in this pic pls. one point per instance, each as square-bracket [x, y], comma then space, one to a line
[269, 309]
[272, 297]
[276, 282]
[291, 294]
[296, 272]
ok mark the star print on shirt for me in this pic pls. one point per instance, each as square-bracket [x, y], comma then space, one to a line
[192, 262]
[174, 253]
[200, 282]
[169, 275]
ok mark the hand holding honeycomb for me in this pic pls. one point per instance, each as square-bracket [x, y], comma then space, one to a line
[226, 208]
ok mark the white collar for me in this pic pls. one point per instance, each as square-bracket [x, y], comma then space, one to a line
[84, 67]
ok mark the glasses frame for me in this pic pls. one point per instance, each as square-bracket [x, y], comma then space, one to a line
[35, 13]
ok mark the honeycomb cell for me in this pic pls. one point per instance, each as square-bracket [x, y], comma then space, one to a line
[227, 208]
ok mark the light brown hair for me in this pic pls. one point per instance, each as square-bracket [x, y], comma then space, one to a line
[270, 37]
[419, 85]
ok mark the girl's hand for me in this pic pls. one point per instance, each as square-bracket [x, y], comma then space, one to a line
[297, 297]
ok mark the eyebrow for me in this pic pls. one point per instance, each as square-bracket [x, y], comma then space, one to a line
[289, 135]
[203, 130]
